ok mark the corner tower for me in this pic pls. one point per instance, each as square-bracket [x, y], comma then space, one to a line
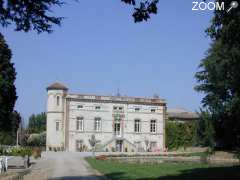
[55, 116]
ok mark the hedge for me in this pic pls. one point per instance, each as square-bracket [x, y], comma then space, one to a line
[180, 134]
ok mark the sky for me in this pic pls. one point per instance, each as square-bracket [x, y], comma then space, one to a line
[99, 49]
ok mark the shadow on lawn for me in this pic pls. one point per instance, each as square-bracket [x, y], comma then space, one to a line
[214, 173]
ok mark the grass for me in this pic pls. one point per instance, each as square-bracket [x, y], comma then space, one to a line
[165, 171]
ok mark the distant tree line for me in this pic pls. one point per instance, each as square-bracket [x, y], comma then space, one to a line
[37, 123]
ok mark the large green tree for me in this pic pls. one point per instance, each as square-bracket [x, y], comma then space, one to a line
[219, 77]
[7, 88]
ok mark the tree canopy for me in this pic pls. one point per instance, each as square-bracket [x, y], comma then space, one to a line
[8, 95]
[219, 77]
[37, 15]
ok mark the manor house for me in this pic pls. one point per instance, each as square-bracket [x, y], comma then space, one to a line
[119, 123]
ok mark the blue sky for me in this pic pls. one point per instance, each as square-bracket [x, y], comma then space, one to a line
[99, 49]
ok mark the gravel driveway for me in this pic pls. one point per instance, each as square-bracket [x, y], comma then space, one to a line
[62, 166]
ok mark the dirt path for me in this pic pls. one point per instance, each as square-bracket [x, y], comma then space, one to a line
[62, 166]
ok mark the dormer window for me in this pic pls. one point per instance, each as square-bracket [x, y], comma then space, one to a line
[97, 107]
[80, 106]
[58, 100]
[153, 110]
[137, 109]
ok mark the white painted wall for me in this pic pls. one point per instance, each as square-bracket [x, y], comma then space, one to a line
[55, 113]
[56, 139]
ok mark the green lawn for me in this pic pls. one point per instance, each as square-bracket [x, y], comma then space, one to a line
[165, 171]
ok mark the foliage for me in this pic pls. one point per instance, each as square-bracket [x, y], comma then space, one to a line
[37, 139]
[15, 151]
[204, 134]
[219, 77]
[93, 142]
[143, 11]
[179, 134]
[8, 95]
[7, 138]
[37, 15]
[29, 15]
[37, 123]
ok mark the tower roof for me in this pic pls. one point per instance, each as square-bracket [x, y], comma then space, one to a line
[57, 86]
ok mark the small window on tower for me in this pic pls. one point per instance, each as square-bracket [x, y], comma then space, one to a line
[97, 107]
[58, 100]
[57, 125]
[137, 109]
[80, 106]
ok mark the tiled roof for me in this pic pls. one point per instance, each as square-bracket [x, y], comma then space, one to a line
[180, 113]
[57, 86]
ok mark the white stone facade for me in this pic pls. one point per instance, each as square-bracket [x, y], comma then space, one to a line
[125, 124]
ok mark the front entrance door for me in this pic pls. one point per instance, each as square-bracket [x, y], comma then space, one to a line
[119, 145]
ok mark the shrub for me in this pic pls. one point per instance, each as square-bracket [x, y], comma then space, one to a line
[16, 151]
[37, 139]
[179, 134]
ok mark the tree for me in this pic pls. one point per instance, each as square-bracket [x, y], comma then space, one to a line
[36, 15]
[204, 133]
[93, 141]
[179, 134]
[9, 136]
[144, 10]
[8, 95]
[219, 77]
[37, 123]
[37, 139]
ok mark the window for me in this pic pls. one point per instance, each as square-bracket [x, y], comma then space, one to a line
[80, 106]
[97, 107]
[117, 108]
[137, 125]
[57, 125]
[153, 126]
[97, 124]
[153, 110]
[58, 100]
[79, 145]
[79, 124]
[137, 109]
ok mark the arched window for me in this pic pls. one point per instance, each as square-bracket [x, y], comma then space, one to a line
[79, 124]
[153, 126]
[137, 125]
[58, 100]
